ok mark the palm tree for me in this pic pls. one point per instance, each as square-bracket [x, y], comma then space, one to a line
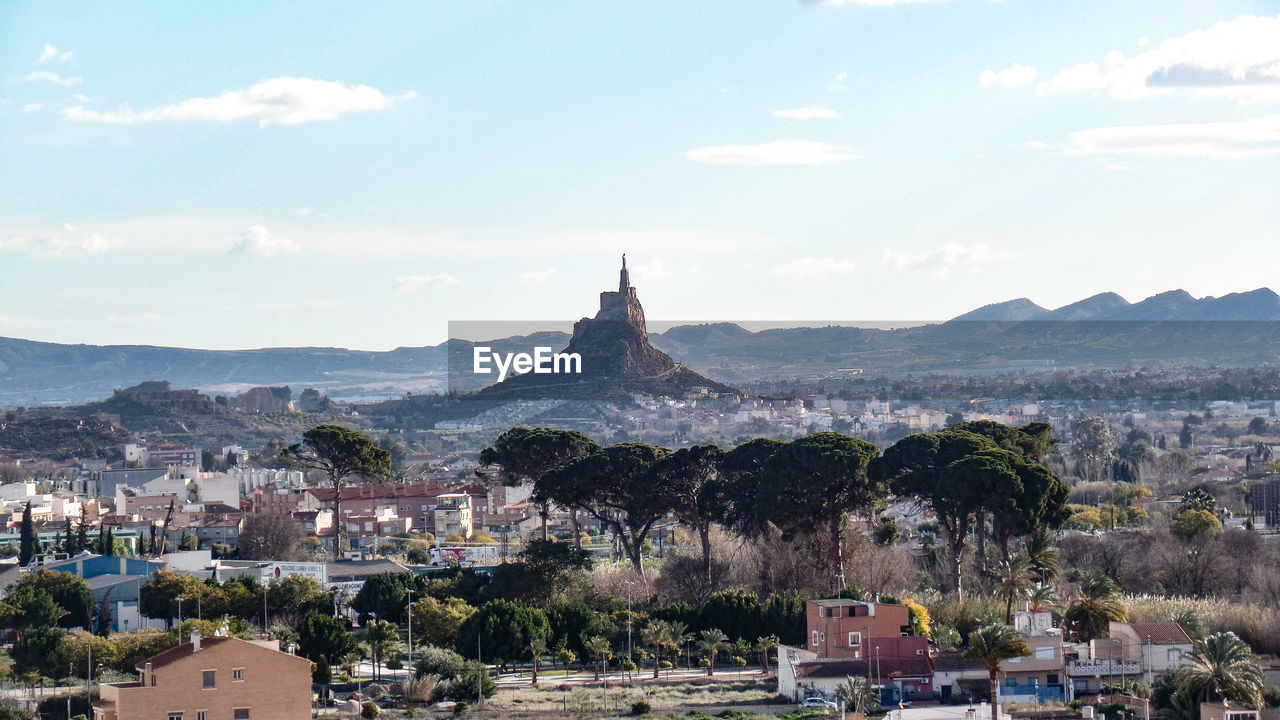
[680, 637]
[601, 649]
[1223, 667]
[538, 647]
[381, 638]
[1042, 556]
[992, 644]
[1017, 580]
[1099, 603]
[657, 634]
[766, 645]
[1044, 598]
[712, 644]
[857, 694]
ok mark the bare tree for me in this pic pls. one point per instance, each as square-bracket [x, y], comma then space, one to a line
[270, 537]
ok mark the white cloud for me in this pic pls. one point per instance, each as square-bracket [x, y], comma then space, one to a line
[814, 268]
[53, 54]
[942, 260]
[32, 107]
[52, 77]
[1036, 144]
[1012, 76]
[280, 101]
[1234, 139]
[650, 271]
[812, 112]
[778, 152]
[68, 243]
[409, 283]
[258, 241]
[537, 277]
[1238, 59]
[839, 82]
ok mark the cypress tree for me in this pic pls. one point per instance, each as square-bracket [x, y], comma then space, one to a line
[69, 543]
[82, 532]
[27, 549]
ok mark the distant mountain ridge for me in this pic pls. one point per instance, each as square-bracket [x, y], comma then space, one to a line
[1256, 305]
[1106, 330]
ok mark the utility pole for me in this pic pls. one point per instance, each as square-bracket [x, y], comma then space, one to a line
[88, 680]
[480, 672]
[179, 621]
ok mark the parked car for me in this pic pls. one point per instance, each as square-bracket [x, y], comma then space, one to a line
[817, 702]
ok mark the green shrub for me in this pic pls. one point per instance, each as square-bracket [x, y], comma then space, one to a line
[394, 664]
[369, 710]
[664, 665]
[641, 707]
[460, 708]
[739, 661]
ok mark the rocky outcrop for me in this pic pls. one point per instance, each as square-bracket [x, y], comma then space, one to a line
[617, 359]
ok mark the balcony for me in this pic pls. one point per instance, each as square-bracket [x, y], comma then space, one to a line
[1099, 668]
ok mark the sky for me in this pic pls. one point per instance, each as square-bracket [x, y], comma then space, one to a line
[251, 174]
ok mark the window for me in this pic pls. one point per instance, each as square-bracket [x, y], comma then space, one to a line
[815, 637]
[1052, 678]
[237, 674]
[202, 715]
[855, 639]
[241, 714]
[175, 716]
[1174, 655]
[210, 679]
[1044, 653]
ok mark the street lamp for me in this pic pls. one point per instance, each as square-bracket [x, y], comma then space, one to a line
[628, 583]
[410, 613]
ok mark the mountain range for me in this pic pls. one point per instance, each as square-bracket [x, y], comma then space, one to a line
[1169, 329]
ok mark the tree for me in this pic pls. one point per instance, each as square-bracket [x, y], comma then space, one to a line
[505, 629]
[1017, 581]
[816, 482]
[437, 622]
[692, 475]
[930, 467]
[544, 569]
[33, 607]
[105, 618]
[382, 639]
[270, 537]
[27, 535]
[992, 644]
[342, 455]
[82, 530]
[158, 598]
[295, 595]
[386, 596]
[69, 592]
[1188, 525]
[324, 636]
[857, 694]
[657, 635]
[40, 650]
[713, 643]
[600, 649]
[1089, 616]
[523, 455]
[1094, 448]
[1199, 499]
[1257, 426]
[614, 486]
[766, 646]
[1223, 667]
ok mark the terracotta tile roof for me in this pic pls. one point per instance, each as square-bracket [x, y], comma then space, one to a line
[1161, 633]
[174, 654]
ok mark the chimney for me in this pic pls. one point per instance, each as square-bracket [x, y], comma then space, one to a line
[146, 675]
[195, 640]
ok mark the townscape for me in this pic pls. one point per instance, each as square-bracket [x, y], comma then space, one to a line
[651, 359]
[874, 558]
